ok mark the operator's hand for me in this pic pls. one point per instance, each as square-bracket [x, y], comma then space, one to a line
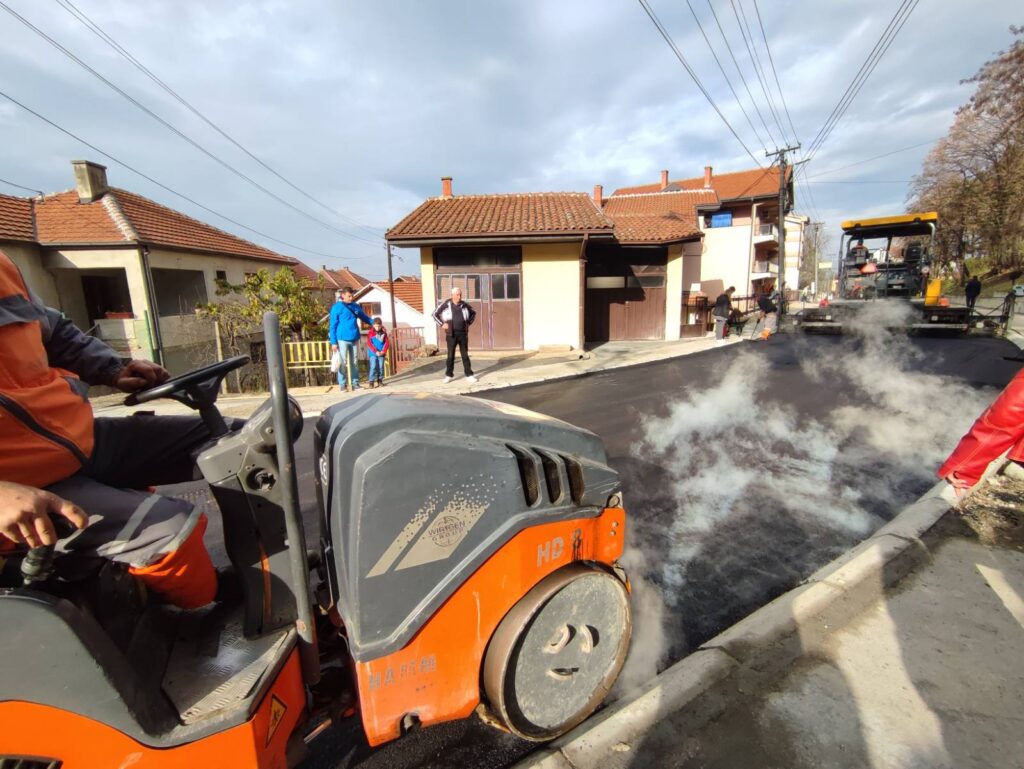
[140, 375]
[444, 327]
[25, 514]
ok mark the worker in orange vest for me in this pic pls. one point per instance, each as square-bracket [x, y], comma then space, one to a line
[998, 429]
[57, 461]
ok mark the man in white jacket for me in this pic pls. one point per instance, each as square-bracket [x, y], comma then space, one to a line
[455, 317]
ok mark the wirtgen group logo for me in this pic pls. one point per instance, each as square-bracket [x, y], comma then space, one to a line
[447, 530]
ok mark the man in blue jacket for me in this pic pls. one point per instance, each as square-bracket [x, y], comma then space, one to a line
[344, 336]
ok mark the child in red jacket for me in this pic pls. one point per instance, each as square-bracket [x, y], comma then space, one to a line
[377, 344]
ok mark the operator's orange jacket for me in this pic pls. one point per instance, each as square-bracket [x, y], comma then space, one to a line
[999, 428]
[46, 427]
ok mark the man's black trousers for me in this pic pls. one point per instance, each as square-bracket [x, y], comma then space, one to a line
[458, 339]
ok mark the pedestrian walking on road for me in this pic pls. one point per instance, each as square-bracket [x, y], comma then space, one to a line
[377, 344]
[344, 336]
[455, 316]
[971, 292]
[721, 313]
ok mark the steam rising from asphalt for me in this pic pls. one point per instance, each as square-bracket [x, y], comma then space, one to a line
[762, 494]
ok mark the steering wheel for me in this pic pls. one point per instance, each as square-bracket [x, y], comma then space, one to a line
[197, 389]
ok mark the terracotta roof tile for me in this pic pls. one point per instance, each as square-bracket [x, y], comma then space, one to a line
[531, 213]
[300, 270]
[161, 225]
[16, 218]
[738, 184]
[659, 217]
[60, 218]
[343, 277]
[124, 217]
[410, 292]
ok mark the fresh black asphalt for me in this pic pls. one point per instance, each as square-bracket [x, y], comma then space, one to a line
[612, 404]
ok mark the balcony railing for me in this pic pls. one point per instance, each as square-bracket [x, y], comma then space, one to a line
[766, 233]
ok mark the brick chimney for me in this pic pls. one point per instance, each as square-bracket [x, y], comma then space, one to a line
[90, 180]
[707, 177]
[598, 195]
[446, 186]
[664, 179]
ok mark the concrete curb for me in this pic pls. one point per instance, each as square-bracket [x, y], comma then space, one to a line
[878, 562]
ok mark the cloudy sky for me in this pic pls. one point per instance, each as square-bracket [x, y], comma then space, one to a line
[364, 106]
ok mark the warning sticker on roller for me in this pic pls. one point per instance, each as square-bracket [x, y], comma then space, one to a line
[277, 711]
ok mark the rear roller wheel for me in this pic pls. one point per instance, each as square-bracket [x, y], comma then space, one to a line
[557, 653]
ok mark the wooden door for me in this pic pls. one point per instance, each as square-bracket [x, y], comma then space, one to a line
[506, 309]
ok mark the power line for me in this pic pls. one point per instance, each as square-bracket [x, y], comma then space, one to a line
[722, 70]
[740, 73]
[778, 84]
[70, 7]
[756, 62]
[859, 181]
[177, 132]
[867, 68]
[163, 186]
[20, 186]
[682, 60]
[876, 157]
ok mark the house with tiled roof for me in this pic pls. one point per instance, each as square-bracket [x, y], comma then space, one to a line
[130, 270]
[741, 229]
[556, 268]
[375, 299]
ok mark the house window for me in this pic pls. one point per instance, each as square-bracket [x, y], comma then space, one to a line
[505, 285]
[721, 219]
[222, 275]
[179, 292]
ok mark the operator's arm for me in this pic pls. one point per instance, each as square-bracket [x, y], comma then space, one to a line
[25, 514]
[92, 359]
[67, 347]
[472, 314]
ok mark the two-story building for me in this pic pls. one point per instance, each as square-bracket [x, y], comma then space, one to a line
[127, 269]
[740, 228]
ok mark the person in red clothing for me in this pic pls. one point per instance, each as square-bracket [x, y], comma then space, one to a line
[377, 345]
[999, 428]
[57, 461]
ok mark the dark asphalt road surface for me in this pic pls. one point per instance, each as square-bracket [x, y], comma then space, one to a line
[765, 559]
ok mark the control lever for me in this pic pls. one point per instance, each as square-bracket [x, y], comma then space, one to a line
[38, 562]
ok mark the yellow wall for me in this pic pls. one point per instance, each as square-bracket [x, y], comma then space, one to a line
[551, 295]
[429, 300]
[29, 260]
[673, 291]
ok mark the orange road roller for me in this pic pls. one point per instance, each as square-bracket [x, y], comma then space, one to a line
[466, 564]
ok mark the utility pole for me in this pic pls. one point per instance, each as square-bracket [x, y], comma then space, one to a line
[783, 203]
[394, 322]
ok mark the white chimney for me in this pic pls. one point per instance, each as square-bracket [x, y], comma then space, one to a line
[90, 180]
